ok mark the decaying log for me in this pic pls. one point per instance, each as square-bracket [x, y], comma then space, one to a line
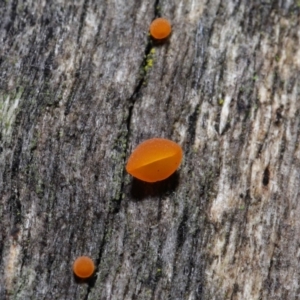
[82, 84]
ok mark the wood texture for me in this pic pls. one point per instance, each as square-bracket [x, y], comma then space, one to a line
[81, 84]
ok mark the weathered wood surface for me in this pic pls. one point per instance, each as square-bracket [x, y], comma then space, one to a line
[81, 86]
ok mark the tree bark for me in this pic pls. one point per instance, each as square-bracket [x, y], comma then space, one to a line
[82, 84]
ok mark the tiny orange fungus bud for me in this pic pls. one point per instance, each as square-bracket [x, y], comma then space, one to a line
[154, 160]
[160, 28]
[83, 267]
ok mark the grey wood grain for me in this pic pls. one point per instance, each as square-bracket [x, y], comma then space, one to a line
[82, 84]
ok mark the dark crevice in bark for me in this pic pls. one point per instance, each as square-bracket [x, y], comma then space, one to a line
[74, 89]
[273, 263]
[156, 9]
[159, 262]
[137, 89]
[15, 209]
[82, 18]
[48, 65]
[93, 280]
[182, 231]
[132, 100]
[191, 264]
[236, 9]
[193, 119]
[126, 289]
[266, 176]
[13, 14]
[15, 204]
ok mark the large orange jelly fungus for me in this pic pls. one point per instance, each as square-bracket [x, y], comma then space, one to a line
[154, 160]
[83, 267]
[160, 28]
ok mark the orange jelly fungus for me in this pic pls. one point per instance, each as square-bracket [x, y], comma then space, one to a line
[160, 28]
[83, 267]
[154, 160]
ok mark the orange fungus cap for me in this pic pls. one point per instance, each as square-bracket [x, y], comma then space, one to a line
[160, 28]
[154, 160]
[83, 267]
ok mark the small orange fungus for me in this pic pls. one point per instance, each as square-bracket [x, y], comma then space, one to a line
[160, 28]
[83, 267]
[154, 160]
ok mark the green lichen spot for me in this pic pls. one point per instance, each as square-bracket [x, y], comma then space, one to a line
[152, 51]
